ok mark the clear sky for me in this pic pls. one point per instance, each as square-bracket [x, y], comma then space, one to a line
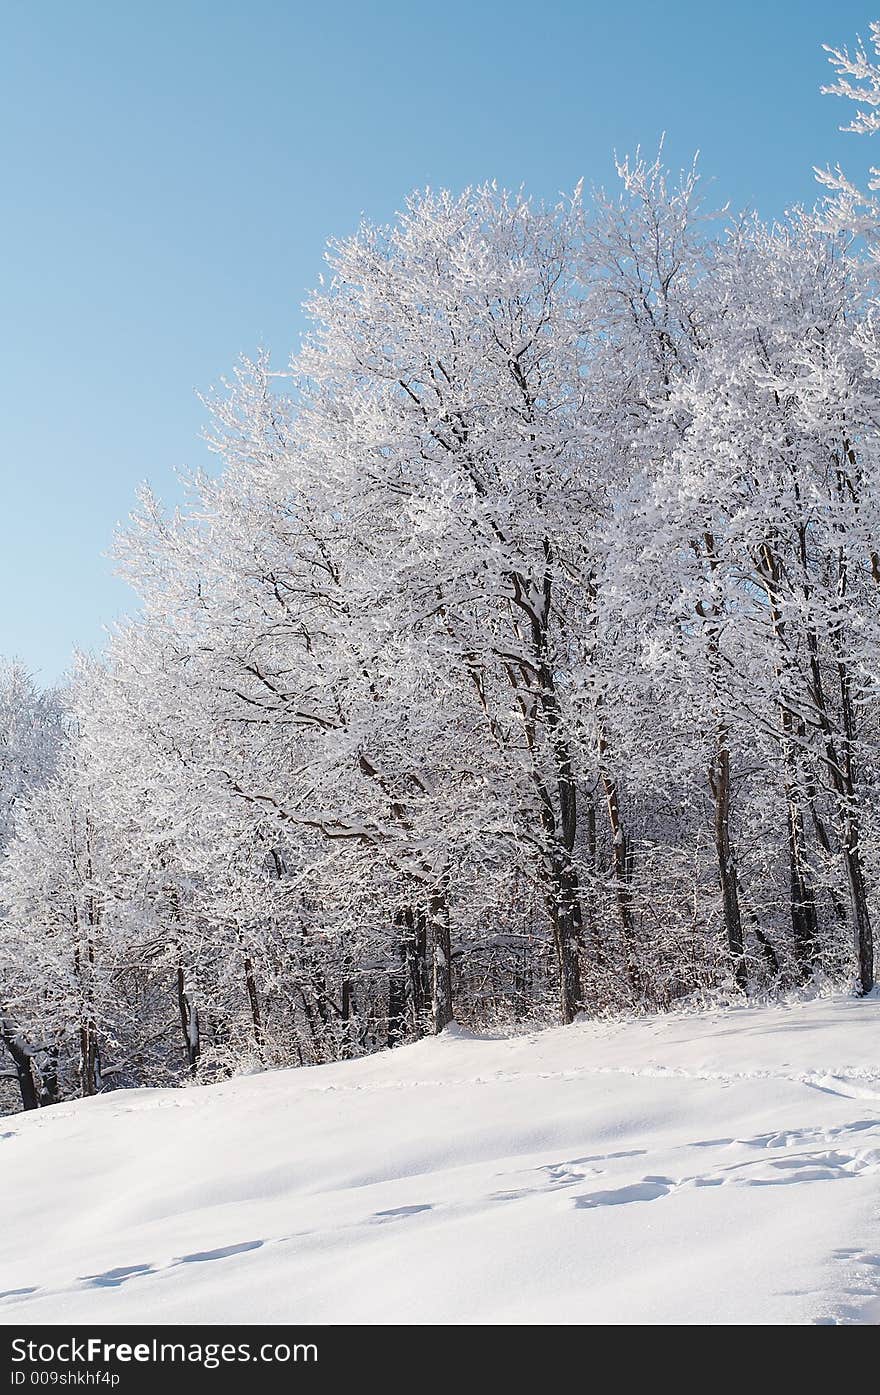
[171, 171]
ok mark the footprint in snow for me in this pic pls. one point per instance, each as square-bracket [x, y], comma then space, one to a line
[115, 1278]
[568, 1174]
[818, 1167]
[202, 1256]
[397, 1212]
[786, 1138]
[651, 1189]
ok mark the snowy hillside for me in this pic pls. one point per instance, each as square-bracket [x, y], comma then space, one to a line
[672, 1170]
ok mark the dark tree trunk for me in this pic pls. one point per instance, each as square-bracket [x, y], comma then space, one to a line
[413, 929]
[189, 1022]
[396, 1006]
[23, 1058]
[83, 967]
[348, 1013]
[841, 762]
[565, 918]
[589, 899]
[89, 1060]
[441, 998]
[619, 857]
[30, 1098]
[864, 937]
[553, 777]
[802, 901]
[254, 1001]
[719, 781]
[409, 988]
[186, 1008]
[421, 970]
[804, 920]
[49, 1079]
[847, 482]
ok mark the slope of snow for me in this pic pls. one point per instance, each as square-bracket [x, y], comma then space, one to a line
[685, 1169]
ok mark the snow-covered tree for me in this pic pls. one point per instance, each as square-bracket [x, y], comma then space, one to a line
[520, 658]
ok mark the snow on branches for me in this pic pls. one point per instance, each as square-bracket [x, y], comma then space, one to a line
[521, 658]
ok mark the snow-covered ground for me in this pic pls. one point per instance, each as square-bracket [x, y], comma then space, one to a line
[685, 1169]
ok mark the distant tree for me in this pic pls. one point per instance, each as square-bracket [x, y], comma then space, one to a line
[31, 732]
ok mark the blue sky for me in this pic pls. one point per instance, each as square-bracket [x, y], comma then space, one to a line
[171, 172]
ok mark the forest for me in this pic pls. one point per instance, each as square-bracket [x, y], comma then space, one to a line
[520, 660]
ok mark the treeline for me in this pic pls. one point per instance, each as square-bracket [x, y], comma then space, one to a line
[521, 659]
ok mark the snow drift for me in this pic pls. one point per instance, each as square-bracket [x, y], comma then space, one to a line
[682, 1169]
